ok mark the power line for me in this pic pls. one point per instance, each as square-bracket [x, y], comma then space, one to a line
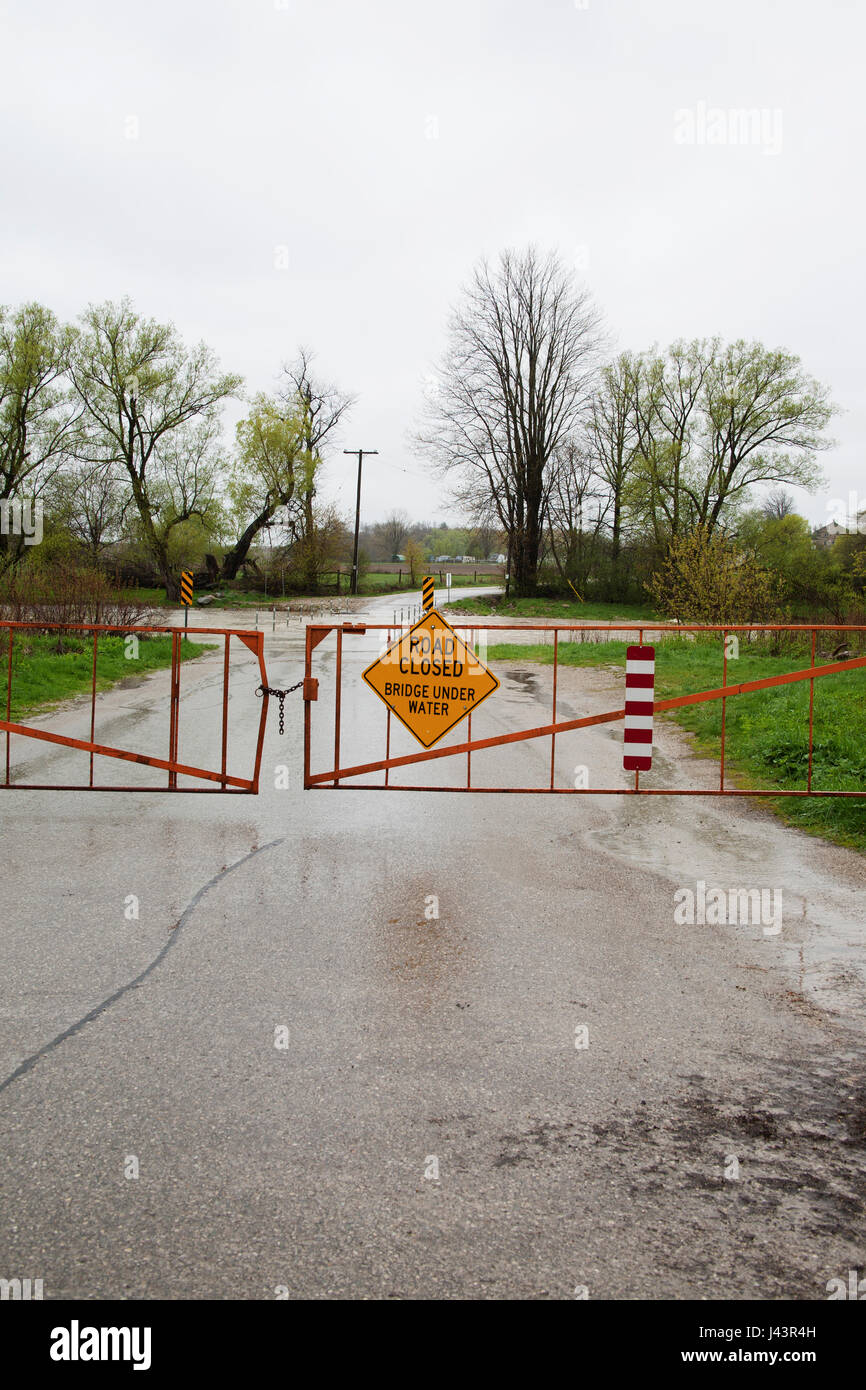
[411, 472]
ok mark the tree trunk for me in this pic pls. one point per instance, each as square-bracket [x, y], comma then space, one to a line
[527, 546]
[311, 559]
[234, 558]
[616, 548]
[166, 573]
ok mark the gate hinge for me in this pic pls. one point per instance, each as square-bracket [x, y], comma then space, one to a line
[311, 688]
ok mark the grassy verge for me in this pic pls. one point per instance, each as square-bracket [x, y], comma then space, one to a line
[47, 670]
[561, 610]
[257, 598]
[228, 598]
[766, 731]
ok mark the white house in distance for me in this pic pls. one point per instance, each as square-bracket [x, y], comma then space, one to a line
[824, 536]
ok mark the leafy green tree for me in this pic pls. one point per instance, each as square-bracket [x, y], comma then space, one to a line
[666, 396]
[849, 553]
[416, 561]
[713, 421]
[189, 544]
[272, 471]
[447, 540]
[765, 422]
[37, 415]
[809, 577]
[150, 412]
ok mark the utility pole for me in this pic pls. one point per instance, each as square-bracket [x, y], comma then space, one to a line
[360, 453]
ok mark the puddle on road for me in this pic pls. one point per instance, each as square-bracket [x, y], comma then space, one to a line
[522, 686]
[527, 679]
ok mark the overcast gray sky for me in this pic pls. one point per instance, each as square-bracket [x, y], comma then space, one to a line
[274, 172]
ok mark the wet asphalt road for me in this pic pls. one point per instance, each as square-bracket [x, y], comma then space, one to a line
[325, 1089]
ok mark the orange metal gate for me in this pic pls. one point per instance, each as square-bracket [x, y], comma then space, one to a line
[218, 779]
[345, 772]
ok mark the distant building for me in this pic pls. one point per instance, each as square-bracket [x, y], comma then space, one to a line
[826, 535]
[466, 559]
[443, 559]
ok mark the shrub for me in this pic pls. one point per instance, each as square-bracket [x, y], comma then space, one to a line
[709, 579]
[66, 592]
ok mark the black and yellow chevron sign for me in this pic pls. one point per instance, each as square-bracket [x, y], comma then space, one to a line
[428, 588]
[186, 588]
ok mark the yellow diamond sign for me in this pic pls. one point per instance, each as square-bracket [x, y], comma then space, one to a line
[430, 679]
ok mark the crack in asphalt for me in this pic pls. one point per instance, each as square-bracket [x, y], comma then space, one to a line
[29, 1062]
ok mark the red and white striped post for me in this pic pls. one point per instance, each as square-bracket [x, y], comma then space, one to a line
[640, 668]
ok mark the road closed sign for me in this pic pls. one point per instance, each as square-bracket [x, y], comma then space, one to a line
[430, 679]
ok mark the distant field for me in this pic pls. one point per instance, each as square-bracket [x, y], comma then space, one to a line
[46, 671]
[387, 583]
[766, 732]
[563, 610]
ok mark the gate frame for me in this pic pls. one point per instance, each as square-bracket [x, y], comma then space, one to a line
[228, 784]
[334, 777]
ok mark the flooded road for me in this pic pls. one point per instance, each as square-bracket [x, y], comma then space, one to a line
[406, 1045]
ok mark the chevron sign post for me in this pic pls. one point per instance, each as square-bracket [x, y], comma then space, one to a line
[640, 668]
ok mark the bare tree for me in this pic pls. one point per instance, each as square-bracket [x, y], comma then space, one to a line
[778, 504]
[392, 533]
[323, 407]
[515, 378]
[578, 508]
[613, 442]
[487, 538]
[91, 501]
[329, 538]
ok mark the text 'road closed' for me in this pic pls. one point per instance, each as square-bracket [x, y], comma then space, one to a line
[430, 679]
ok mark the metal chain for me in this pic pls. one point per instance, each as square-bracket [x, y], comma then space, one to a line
[281, 696]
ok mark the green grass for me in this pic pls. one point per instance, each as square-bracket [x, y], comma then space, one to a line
[766, 731]
[256, 598]
[563, 610]
[47, 670]
[150, 598]
[229, 598]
